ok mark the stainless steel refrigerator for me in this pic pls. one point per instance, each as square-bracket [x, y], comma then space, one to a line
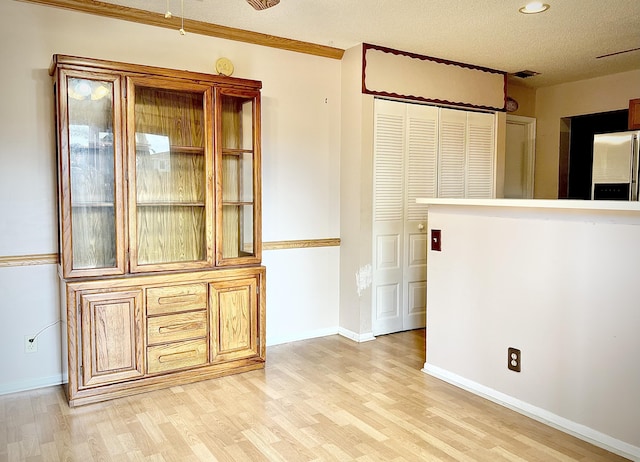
[615, 166]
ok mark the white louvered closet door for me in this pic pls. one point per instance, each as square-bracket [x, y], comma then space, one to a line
[405, 168]
[419, 151]
[452, 155]
[480, 155]
[420, 181]
[388, 179]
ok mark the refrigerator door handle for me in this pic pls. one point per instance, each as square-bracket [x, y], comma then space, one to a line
[635, 146]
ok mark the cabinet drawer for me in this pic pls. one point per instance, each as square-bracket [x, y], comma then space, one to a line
[178, 355]
[174, 327]
[173, 299]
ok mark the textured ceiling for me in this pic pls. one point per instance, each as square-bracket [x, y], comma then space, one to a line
[561, 44]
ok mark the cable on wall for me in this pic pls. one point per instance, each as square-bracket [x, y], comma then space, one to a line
[33, 339]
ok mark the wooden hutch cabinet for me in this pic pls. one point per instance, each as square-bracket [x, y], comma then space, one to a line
[160, 226]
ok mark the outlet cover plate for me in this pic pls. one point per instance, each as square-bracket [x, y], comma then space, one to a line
[514, 359]
[30, 347]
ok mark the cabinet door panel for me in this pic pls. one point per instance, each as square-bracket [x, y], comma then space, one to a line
[238, 192]
[234, 319]
[90, 177]
[170, 174]
[634, 114]
[112, 337]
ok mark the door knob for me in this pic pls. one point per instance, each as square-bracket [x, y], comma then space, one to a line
[421, 227]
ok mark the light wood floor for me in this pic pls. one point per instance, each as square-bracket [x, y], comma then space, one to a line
[323, 399]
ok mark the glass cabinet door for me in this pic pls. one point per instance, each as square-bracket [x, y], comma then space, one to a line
[170, 175]
[90, 150]
[238, 225]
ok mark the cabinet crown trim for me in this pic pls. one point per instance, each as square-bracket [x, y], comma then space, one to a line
[68, 61]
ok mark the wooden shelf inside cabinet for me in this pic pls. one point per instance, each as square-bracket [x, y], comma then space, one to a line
[170, 204]
[93, 204]
[235, 152]
[187, 150]
[144, 148]
[237, 203]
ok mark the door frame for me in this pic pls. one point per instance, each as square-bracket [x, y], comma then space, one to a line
[529, 124]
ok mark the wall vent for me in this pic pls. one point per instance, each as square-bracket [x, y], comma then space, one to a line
[525, 74]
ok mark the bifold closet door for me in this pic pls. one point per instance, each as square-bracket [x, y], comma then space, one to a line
[388, 216]
[421, 180]
[405, 168]
[466, 154]
[452, 153]
[480, 160]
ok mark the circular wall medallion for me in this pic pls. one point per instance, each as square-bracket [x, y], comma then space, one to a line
[224, 66]
[511, 104]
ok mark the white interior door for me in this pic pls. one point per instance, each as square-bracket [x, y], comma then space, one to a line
[479, 180]
[452, 153]
[419, 151]
[388, 210]
[420, 181]
[519, 157]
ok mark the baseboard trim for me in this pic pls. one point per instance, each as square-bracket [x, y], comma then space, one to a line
[553, 420]
[31, 384]
[367, 337]
[278, 340]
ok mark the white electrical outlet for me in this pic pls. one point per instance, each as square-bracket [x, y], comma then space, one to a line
[30, 347]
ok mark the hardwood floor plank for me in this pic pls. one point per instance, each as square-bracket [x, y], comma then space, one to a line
[324, 399]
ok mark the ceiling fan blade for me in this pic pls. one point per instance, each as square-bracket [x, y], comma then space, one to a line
[615, 53]
[263, 4]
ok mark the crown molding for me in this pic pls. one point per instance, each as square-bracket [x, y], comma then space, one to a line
[125, 13]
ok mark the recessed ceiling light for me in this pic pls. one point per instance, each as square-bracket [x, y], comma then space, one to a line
[534, 7]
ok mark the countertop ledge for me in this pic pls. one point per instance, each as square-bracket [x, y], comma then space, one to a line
[618, 206]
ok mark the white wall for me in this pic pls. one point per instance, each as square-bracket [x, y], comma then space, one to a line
[562, 287]
[301, 147]
[356, 190]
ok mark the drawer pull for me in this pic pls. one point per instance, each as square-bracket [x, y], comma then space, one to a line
[175, 299]
[177, 356]
[179, 327]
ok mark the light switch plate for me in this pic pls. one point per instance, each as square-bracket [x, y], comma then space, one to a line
[436, 240]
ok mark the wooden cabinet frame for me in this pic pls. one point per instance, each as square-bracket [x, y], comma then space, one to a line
[86, 385]
[125, 78]
[153, 300]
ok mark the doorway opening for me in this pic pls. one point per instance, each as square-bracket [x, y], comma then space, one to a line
[576, 149]
[519, 160]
